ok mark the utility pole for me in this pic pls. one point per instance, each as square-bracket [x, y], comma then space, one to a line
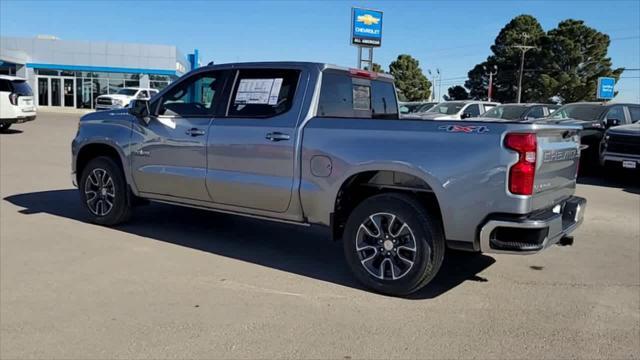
[491, 74]
[433, 85]
[439, 85]
[524, 48]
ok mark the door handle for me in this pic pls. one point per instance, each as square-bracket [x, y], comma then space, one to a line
[277, 136]
[195, 132]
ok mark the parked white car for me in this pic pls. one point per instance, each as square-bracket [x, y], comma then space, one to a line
[16, 102]
[123, 97]
[457, 110]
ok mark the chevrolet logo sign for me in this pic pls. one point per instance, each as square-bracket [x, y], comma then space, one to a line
[368, 19]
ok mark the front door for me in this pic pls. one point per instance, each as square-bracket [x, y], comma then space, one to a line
[169, 156]
[251, 149]
[68, 92]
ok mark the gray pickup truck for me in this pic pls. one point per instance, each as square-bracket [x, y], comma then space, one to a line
[317, 144]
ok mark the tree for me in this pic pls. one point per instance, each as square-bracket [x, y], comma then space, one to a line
[457, 93]
[376, 68]
[574, 56]
[521, 30]
[564, 64]
[411, 83]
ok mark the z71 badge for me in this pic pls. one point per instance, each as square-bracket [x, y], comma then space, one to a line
[465, 129]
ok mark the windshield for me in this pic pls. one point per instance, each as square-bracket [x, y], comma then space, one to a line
[449, 108]
[21, 87]
[506, 112]
[587, 112]
[426, 107]
[127, 92]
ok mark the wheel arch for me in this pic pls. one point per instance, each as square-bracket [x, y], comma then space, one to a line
[92, 150]
[359, 185]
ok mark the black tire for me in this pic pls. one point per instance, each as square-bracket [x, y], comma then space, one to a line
[4, 127]
[424, 227]
[120, 210]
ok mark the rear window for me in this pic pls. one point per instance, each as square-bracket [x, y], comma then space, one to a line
[260, 93]
[351, 97]
[21, 87]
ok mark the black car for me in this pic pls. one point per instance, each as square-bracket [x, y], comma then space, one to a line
[620, 146]
[595, 119]
[520, 112]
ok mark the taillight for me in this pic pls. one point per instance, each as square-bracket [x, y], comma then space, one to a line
[522, 173]
[13, 98]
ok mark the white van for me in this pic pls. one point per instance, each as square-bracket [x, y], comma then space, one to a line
[16, 102]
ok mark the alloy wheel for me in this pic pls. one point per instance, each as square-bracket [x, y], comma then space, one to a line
[386, 246]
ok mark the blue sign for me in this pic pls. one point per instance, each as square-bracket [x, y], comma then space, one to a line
[605, 88]
[366, 27]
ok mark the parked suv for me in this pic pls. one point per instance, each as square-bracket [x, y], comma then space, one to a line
[457, 110]
[316, 144]
[16, 102]
[520, 112]
[621, 144]
[594, 118]
[123, 97]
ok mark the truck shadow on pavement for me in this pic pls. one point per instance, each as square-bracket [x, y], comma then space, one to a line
[627, 181]
[302, 251]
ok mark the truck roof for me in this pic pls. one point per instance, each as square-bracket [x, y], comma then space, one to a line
[284, 64]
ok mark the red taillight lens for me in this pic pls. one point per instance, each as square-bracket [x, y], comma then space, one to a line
[363, 73]
[13, 98]
[522, 173]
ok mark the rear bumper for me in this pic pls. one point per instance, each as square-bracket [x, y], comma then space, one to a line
[618, 157]
[534, 232]
[18, 120]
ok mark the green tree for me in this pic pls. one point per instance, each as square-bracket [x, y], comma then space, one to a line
[521, 30]
[411, 83]
[457, 93]
[376, 68]
[574, 56]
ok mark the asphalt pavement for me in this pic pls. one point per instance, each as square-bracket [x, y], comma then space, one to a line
[184, 283]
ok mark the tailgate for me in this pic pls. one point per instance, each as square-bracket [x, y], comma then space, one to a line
[558, 156]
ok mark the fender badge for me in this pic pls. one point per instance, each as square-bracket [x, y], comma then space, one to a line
[478, 129]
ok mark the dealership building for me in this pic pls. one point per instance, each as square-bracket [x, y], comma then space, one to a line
[73, 74]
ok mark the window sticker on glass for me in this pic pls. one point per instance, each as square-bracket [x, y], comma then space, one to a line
[361, 97]
[258, 91]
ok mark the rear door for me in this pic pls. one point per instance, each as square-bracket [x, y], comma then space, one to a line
[251, 149]
[556, 167]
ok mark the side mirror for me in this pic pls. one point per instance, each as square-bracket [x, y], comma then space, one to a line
[612, 122]
[140, 109]
[465, 116]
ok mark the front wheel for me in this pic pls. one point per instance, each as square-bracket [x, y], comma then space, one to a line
[104, 192]
[4, 127]
[393, 244]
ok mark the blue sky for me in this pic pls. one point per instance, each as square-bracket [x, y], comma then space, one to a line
[450, 35]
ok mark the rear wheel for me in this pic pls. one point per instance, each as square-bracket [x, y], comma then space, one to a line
[393, 244]
[104, 192]
[4, 127]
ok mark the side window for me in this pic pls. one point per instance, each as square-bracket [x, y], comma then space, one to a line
[635, 113]
[488, 107]
[5, 86]
[384, 103]
[616, 112]
[472, 110]
[536, 112]
[260, 93]
[195, 96]
[337, 97]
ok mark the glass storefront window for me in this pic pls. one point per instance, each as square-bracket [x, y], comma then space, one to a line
[159, 85]
[115, 85]
[47, 72]
[132, 83]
